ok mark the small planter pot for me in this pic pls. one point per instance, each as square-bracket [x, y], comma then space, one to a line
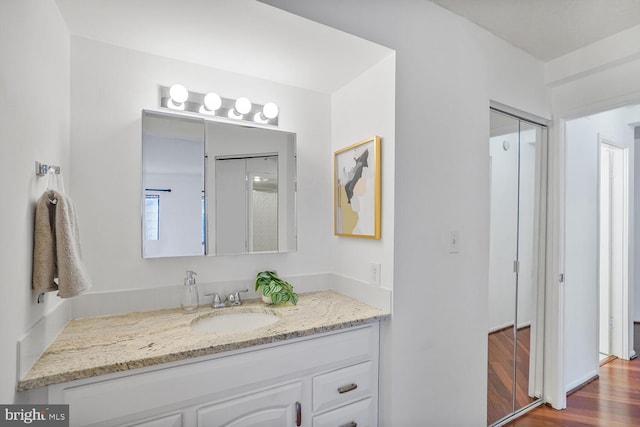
[266, 299]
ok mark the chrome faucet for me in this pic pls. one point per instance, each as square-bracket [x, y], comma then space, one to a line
[216, 303]
[232, 299]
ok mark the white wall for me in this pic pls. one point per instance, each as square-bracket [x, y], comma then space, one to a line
[447, 70]
[581, 87]
[581, 255]
[34, 106]
[110, 87]
[180, 217]
[581, 250]
[364, 108]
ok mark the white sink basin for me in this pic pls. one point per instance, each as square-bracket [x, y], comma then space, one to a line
[234, 322]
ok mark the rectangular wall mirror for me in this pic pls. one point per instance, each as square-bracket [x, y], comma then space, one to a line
[173, 186]
[216, 188]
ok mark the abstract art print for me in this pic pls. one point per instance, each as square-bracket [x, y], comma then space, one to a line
[357, 189]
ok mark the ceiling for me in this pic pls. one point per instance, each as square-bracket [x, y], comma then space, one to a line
[241, 36]
[255, 39]
[548, 29]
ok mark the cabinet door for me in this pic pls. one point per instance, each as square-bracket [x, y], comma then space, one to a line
[274, 407]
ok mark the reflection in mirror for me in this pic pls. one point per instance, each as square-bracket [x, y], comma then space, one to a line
[173, 171]
[254, 182]
[516, 305]
[246, 205]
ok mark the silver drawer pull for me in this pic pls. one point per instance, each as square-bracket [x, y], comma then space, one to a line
[347, 388]
[351, 424]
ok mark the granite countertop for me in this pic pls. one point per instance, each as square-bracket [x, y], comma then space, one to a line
[106, 344]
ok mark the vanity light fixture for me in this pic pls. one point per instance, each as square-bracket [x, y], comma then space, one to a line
[177, 97]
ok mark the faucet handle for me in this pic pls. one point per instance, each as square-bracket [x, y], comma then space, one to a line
[234, 298]
[216, 303]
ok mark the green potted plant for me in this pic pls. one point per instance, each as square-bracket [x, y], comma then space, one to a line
[273, 289]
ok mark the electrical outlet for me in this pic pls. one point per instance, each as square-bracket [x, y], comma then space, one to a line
[454, 242]
[374, 273]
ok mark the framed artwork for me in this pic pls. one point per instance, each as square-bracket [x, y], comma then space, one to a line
[357, 189]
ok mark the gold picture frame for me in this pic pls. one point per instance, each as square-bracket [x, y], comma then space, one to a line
[357, 189]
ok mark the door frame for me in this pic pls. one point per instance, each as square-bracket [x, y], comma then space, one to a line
[620, 350]
[555, 392]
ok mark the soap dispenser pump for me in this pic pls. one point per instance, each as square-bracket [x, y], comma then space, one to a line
[189, 301]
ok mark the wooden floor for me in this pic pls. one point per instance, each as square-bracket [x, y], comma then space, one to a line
[613, 400]
[500, 373]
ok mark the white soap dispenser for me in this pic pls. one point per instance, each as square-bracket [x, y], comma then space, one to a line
[189, 300]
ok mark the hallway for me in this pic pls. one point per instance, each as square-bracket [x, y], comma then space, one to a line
[613, 400]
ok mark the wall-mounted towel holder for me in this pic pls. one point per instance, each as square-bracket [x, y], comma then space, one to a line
[42, 169]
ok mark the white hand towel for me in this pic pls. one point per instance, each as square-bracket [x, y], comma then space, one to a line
[56, 252]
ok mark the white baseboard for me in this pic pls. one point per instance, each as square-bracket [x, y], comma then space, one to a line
[581, 381]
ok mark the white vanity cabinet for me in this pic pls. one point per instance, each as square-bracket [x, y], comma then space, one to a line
[330, 379]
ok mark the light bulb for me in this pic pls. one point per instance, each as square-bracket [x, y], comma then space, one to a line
[178, 93]
[260, 118]
[174, 105]
[270, 110]
[243, 105]
[234, 115]
[212, 101]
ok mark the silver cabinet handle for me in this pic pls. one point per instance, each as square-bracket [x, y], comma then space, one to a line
[298, 414]
[347, 388]
[351, 424]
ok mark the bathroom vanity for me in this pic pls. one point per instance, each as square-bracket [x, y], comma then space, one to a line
[317, 365]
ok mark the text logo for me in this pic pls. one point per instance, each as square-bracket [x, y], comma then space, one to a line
[35, 415]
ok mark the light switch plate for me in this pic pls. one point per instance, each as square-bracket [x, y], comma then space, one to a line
[374, 273]
[454, 242]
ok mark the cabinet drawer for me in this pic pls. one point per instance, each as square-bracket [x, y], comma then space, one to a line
[358, 414]
[343, 385]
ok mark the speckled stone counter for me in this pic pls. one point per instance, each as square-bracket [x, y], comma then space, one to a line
[106, 344]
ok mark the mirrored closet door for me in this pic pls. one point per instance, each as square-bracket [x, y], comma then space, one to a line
[516, 266]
